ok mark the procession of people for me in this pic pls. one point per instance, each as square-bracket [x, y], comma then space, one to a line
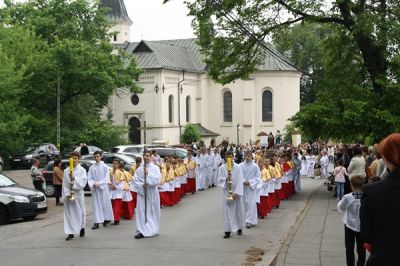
[260, 181]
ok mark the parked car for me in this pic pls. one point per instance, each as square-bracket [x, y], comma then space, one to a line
[66, 151]
[47, 173]
[165, 152]
[19, 202]
[128, 149]
[108, 158]
[1, 164]
[44, 152]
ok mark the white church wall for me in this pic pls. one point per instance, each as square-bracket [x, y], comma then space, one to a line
[122, 32]
[285, 88]
[247, 105]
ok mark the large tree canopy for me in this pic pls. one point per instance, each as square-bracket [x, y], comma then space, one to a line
[42, 41]
[348, 51]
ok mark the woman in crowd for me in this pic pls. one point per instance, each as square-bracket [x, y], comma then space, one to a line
[380, 209]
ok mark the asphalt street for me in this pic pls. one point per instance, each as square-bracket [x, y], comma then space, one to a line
[190, 234]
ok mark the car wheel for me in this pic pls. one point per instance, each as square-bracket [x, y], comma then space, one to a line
[50, 190]
[29, 218]
[13, 166]
[4, 217]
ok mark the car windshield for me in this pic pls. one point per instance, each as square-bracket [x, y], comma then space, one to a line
[31, 148]
[5, 181]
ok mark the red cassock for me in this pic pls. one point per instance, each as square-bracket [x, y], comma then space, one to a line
[117, 207]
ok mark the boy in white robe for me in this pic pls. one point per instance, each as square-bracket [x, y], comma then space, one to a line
[251, 184]
[74, 210]
[98, 178]
[148, 199]
[202, 166]
[233, 215]
[324, 162]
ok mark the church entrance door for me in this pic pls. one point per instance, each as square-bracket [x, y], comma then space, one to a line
[134, 130]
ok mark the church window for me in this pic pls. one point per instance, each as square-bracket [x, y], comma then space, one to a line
[267, 106]
[115, 37]
[227, 105]
[187, 108]
[135, 99]
[170, 108]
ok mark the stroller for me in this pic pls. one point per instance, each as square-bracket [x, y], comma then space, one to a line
[330, 182]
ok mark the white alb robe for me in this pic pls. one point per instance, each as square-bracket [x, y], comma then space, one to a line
[324, 162]
[74, 211]
[153, 179]
[101, 202]
[233, 214]
[251, 173]
[202, 162]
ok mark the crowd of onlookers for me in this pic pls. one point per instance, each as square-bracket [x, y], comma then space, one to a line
[367, 185]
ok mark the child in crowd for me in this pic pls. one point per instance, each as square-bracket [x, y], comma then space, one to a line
[339, 173]
[350, 205]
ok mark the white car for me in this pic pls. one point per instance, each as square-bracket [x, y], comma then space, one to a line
[129, 149]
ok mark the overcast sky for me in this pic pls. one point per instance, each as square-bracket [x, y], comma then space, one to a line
[154, 21]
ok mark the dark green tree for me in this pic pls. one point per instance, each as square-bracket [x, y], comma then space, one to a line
[190, 134]
[70, 42]
[349, 54]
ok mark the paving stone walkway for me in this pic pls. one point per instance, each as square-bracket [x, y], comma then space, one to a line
[318, 237]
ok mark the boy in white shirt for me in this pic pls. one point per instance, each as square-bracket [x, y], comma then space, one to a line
[350, 205]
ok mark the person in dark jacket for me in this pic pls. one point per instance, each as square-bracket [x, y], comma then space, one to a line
[84, 149]
[380, 209]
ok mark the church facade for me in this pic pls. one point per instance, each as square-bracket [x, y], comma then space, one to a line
[178, 91]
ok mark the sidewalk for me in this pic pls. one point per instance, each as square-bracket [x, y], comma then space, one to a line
[318, 235]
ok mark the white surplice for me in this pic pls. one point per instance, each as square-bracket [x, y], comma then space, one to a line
[101, 202]
[251, 173]
[74, 211]
[153, 179]
[233, 214]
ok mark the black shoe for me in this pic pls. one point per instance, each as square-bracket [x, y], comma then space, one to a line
[139, 236]
[82, 232]
[116, 223]
[239, 232]
[227, 235]
[106, 222]
[95, 226]
[69, 237]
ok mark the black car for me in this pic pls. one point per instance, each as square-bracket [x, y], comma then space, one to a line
[43, 152]
[108, 158]
[165, 152]
[47, 173]
[19, 202]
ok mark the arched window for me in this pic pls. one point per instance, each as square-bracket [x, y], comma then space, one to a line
[267, 106]
[187, 108]
[170, 108]
[227, 102]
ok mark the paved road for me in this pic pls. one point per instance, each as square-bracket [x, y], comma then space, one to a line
[191, 234]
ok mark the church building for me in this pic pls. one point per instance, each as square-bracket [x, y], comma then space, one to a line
[178, 91]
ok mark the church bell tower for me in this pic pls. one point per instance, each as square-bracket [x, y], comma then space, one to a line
[119, 16]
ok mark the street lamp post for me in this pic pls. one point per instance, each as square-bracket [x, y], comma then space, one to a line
[237, 132]
[180, 90]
